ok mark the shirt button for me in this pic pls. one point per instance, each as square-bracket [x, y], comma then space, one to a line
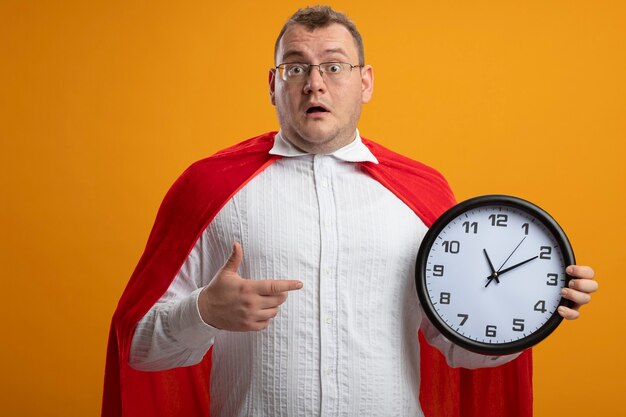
[329, 371]
[329, 321]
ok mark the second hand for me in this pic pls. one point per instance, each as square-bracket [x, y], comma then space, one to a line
[518, 245]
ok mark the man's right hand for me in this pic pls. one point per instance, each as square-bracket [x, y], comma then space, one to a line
[232, 303]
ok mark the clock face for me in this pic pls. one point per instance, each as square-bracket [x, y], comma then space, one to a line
[490, 273]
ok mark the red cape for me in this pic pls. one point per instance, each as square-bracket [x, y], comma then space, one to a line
[190, 205]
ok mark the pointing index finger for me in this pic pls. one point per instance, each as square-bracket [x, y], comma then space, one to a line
[277, 286]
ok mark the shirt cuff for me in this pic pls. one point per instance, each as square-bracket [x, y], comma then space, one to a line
[186, 324]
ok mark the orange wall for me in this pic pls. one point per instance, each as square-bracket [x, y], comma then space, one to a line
[102, 104]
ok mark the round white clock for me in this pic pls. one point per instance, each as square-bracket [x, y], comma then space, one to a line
[490, 271]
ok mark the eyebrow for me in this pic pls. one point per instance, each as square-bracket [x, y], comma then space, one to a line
[300, 54]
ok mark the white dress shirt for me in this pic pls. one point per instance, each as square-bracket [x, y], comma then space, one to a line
[346, 343]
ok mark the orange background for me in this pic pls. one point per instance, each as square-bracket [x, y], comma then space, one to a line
[103, 104]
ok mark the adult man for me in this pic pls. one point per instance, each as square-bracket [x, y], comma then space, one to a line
[342, 216]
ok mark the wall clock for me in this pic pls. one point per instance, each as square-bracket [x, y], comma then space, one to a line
[490, 271]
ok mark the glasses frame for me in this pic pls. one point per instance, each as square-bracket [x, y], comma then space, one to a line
[308, 68]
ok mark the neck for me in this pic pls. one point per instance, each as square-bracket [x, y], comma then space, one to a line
[322, 148]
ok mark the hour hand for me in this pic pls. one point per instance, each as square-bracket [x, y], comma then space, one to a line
[494, 274]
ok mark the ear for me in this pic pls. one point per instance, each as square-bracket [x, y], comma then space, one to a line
[367, 83]
[272, 85]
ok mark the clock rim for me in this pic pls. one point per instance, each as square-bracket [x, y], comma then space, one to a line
[420, 272]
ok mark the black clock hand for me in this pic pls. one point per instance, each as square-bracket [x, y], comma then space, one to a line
[493, 270]
[516, 265]
[496, 274]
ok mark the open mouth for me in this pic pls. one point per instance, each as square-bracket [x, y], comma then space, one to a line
[316, 109]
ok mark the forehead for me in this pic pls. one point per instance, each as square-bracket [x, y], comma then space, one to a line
[298, 41]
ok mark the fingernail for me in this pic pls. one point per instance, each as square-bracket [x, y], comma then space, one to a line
[569, 269]
[564, 291]
[561, 310]
[299, 285]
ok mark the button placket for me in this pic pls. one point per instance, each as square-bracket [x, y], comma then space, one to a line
[328, 297]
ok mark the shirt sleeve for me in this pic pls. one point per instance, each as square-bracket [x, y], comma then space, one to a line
[172, 333]
[456, 356]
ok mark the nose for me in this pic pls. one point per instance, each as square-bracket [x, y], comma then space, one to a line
[315, 81]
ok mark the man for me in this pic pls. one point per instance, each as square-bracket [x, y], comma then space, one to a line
[317, 211]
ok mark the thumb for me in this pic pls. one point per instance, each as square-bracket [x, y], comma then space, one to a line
[234, 260]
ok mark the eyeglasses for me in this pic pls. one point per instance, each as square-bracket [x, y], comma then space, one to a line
[297, 71]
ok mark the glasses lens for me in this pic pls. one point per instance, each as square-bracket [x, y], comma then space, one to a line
[333, 68]
[292, 71]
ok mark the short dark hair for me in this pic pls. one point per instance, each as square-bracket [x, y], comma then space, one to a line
[315, 17]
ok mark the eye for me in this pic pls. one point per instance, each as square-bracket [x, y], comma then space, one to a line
[294, 70]
[333, 68]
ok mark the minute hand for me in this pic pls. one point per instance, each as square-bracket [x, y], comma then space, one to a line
[516, 265]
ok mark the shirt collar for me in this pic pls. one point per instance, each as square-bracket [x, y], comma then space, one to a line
[355, 151]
